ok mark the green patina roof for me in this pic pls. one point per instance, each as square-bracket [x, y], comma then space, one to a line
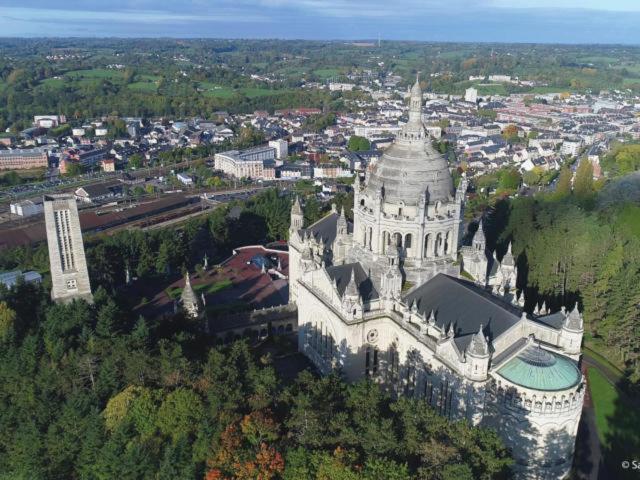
[540, 369]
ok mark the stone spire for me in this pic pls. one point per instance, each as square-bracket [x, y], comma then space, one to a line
[507, 259]
[478, 346]
[574, 320]
[189, 299]
[479, 240]
[432, 318]
[341, 224]
[297, 215]
[415, 102]
[351, 291]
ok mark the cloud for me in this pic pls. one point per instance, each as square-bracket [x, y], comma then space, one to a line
[561, 21]
[125, 16]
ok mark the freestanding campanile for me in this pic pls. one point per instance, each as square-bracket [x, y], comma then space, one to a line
[69, 275]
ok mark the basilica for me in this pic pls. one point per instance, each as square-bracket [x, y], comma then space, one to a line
[385, 297]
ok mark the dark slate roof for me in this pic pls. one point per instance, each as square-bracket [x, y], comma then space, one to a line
[554, 320]
[341, 275]
[466, 305]
[326, 228]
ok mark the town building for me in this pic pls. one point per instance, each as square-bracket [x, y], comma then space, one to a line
[22, 159]
[27, 208]
[282, 148]
[383, 299]
[11, 279]
[471, 95]
[256, 163]
[68, 265]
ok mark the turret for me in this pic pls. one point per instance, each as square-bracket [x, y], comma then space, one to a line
[477, 355]
[479, 241]
[572, 331]
[351, 299]
[297, 216]
[189, 300]
[391, 284]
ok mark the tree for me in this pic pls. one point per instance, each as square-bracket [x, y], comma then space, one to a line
[118, 406]
[583, 184]
[180, 413]
[7, 320]
[357, 144]
[563, 186]
[510, 133]
[135, 161]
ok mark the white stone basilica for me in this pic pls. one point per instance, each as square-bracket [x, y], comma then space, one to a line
[383, 299]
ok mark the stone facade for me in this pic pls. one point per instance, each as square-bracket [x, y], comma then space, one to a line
[382, 299]
[69, 275]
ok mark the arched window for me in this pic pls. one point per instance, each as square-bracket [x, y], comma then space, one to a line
[447, 243]
[362, 202]
[371, 361]
[427, 248]
[407, 240]
[370, 237]
[397, 239]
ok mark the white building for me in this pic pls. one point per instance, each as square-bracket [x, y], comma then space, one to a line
[281, 147]
[69, 274]
[471, 95]
[27, 208]
[185, 179]
[382, 299]
[256, 163]
[341, 87]
[500, 78]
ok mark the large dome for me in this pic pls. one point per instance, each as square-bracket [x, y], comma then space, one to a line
[411, 166]
[540, 369]
[408, 169]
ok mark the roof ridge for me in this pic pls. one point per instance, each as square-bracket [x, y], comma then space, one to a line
[320, 220]
[486, 296]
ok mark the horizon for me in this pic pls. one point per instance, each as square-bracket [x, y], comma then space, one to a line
[324, 40]
[565, 22]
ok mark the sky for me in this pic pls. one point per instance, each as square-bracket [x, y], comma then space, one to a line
[544, 21]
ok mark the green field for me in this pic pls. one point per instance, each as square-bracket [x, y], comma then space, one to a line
[218, 91]
[206, 288]
[95, 74]
[617, 421]
[148, 87]
[327, 72]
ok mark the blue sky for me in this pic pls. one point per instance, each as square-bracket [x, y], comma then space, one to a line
[561, 21]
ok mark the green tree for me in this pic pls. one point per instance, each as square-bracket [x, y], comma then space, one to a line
[7, 321]
[583, 184]
[180, 413]
[357, 144]
[563, 186]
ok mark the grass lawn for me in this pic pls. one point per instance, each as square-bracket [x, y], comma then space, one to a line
[327, 72]
[213, 90]
[96, 73]
[604, 397]
[150, 87]
[206, 288]
[617, 421]
[490, 89]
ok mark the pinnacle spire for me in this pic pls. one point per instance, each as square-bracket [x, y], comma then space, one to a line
[352, 288]
[297, 208]
[478, 345]
[574, 319]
